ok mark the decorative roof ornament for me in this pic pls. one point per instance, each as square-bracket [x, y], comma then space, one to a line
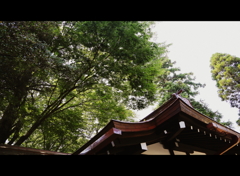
[177, 95]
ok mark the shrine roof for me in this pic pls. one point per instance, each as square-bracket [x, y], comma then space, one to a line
[167, 117]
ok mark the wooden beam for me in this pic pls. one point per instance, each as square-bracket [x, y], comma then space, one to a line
[171, 151]
[179, 147]
[127, 141]
[182, 126]
[190, 149]
[17, 150]
[228, 146]
[111, 151]
[221, 130]
[134, 149]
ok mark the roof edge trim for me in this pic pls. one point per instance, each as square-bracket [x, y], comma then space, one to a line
[92, 147]
[209, 119]
[224, 131]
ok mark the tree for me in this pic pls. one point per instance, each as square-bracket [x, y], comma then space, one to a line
[53, 73]
[226, 73]
[24, 66]
[172, 81]
[69, 129]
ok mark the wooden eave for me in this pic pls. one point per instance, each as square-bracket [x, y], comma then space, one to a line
[121, 137]
[17, 150]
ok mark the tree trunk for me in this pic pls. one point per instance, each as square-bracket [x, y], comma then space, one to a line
[7, 121]
[26, 136]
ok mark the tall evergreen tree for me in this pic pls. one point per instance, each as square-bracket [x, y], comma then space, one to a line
[226, 73]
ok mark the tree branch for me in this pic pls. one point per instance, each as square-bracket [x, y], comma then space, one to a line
[73, 106]
[45, 114]
[52, 93]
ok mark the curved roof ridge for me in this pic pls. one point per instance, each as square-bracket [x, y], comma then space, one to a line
[209, 117]
[159, 109]
[164, 106]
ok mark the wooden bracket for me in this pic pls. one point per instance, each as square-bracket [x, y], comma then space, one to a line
[182, 126]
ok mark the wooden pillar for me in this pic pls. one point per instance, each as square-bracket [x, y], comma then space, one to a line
[171, 151]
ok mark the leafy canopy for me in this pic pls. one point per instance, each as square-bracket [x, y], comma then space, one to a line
[62, 81]
[225, 70]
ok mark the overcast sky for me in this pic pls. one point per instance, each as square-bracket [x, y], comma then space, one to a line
[193, 44]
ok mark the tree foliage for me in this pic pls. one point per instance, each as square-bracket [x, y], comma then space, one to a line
[62, 81]
[172, 81]
[226, 73]
[70, 128]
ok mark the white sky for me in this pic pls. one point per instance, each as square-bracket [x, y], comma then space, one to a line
[193, 44]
